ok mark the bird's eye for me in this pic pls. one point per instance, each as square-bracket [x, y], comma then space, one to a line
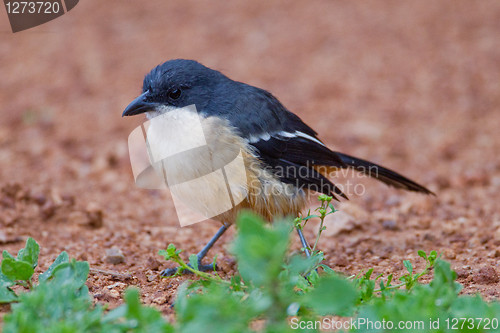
[174, 94]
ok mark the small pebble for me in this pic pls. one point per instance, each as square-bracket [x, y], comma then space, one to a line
[114, 256]
[4, 239]
[160, 300]
[39, 198]
[449, 254]
[429, 237]
[153, 264]
[117, 284]
[114, 293]
[389, 225]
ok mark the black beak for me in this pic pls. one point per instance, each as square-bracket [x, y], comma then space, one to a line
[139, 105]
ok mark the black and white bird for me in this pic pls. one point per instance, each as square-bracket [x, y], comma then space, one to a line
[283, 157]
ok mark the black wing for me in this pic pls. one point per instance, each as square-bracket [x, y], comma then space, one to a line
[291, 149]
[292, 160]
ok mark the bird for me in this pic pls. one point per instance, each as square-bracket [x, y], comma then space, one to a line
[283, 158]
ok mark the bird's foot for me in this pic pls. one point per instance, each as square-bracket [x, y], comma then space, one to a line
[202, 268]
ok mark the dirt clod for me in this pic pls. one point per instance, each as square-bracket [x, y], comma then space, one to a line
[95, 215]
[341, 261]
[462, 273]
[486, 275]
[449, 254]
[48, 210]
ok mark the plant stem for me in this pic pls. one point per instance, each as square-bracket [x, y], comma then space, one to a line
[322, 210]
[201, 274]
[415, 279]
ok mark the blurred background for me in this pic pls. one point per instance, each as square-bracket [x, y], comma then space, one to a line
[413, 85]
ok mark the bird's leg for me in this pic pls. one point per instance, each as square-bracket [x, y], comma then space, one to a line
[306, 248]
[304, 242]
[201, 254]
[209, 245]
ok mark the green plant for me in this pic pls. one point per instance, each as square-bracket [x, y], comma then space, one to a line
[272, 291]
[173, 254]
[435, 307]
[18, 270]
[326, 208]
[367, 285]
[61, 301]
[269, 288]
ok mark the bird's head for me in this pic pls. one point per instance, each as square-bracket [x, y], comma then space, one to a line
[175, 84]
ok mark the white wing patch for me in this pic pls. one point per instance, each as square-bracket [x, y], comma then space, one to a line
[267, 136]
[261, 137]
[308, 137]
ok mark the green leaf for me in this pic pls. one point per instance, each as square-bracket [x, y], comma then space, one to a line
[333, 295]
[432, 257]
[5, 281]
[30, 252]
[408, 265]
[214, 263]
[61, 258]
[324, 198]
[164, 254]
[74, 272]
[59, 305]
[308, 217]
[7, 295]
[137, 317]
[389, 279]
[17, 270]
[328, 270]
[6, 255]
[170, 253]
[368, 273]
[193, 260]
[422, 254]
[260, 248]
[217, 309]
[133, 303]
[332, 209]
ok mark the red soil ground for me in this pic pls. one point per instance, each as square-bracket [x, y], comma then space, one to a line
[411, 85]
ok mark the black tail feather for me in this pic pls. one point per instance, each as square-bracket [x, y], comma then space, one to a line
[385, 175]
[305, 177]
